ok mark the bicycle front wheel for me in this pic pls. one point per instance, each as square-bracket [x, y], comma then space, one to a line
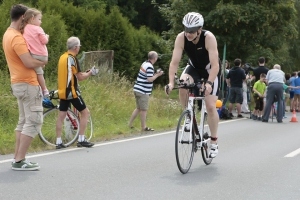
[205, 149]
[184, 143]
[70, 128]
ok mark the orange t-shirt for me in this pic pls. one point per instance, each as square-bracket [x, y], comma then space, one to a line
[14, 45]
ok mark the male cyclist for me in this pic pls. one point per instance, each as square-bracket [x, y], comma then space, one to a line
[69, 73]
[201, 47]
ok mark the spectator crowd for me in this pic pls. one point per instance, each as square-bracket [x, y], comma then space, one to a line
[271, 90]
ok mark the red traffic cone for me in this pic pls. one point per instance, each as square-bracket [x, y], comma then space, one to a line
[294, 118]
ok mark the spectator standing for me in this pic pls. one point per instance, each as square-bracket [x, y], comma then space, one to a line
[226, 88]
[25, 87]
[296, 83]
[292, 104]
[287, 91]
[235, 79]
[260, 69]
[69, 73]
[259, 89]
[275, 79]
[244, 106]
[143, 88]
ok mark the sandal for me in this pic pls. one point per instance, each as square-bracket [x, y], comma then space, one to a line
[148, 129]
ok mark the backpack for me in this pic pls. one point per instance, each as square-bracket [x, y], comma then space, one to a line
[224, 114]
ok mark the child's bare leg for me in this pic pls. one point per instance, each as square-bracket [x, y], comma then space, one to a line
[42, 83]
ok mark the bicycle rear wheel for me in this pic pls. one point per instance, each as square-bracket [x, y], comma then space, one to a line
[184, 144]
[205, 149]
[70, 129]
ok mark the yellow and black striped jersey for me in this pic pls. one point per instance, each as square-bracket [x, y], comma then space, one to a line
[68, 67]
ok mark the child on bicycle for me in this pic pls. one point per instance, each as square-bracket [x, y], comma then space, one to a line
[259, 89]
[36, 40]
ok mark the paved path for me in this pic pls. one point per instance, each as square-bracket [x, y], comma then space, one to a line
[258, 161]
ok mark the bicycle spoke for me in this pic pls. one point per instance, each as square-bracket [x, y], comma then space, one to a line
[184, 145]
[70, 128]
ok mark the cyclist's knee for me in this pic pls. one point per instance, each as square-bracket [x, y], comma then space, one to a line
[210, 104]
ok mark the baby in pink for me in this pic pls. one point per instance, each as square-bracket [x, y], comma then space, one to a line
[36, 40]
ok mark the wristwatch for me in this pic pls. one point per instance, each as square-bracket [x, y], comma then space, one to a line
[209, 82]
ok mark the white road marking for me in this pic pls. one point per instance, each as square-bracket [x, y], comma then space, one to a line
[103, 144]
[96, 145]
[293, 154]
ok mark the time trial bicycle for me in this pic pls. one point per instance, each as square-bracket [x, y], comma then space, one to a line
[190, 135]
[71, 123]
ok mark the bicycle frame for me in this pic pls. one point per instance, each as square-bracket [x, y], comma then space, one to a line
[190, 135]
[197, 131]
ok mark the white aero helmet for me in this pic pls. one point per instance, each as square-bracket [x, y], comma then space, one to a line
[192, 21]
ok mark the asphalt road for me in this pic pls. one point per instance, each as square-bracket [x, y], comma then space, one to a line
[256, 160]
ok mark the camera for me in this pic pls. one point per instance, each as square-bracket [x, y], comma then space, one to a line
[247, 68]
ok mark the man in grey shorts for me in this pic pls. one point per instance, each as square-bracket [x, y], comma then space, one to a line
[234, 80]
[143, 88]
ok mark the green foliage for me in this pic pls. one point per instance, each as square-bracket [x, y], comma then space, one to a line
[110, 100]
[120, 39]
[96, 30]
[264, 27]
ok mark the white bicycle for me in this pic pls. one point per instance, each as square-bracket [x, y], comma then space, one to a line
[190, 135]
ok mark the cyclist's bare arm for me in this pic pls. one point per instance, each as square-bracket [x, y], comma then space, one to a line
[211, 46]
[30, 62]
[176, 57]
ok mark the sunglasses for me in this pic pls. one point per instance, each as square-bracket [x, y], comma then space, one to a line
[191, 30]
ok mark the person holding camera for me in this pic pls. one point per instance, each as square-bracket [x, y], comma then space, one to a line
[143, 88]
[69, 73]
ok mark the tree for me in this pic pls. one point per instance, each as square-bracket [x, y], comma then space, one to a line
[250, 29]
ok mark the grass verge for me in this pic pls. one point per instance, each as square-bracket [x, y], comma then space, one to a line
[110, 100]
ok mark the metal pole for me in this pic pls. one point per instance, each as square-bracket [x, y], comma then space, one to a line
[223, 70]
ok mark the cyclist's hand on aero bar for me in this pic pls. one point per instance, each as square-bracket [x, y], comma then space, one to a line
[208, 89]
[168, 88]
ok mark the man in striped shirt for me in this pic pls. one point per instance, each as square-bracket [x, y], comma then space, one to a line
[143, 88]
